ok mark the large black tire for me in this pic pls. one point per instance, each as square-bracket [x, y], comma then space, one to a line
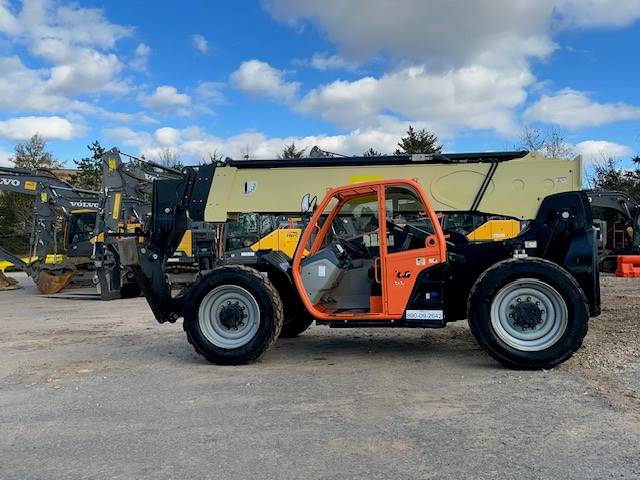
[510, 286]
[208, 328]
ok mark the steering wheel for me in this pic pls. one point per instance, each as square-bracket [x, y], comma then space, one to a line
[353, 248]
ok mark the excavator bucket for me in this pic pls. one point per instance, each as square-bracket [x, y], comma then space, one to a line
[54, 280]
[7, 283]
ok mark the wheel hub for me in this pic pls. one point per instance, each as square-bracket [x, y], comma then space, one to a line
[529, 315]
[232, 315]
[526, 314]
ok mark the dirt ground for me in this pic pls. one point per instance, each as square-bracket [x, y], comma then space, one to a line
[92, 389]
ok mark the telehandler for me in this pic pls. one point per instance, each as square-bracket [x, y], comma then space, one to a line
[52, 196]
[374, 254]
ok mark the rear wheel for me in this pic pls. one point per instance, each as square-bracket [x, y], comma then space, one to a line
[233, 315]
[528, 313]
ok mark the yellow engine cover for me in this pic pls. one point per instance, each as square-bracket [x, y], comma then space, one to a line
[283, 240]
[495, 230]
[185, 244]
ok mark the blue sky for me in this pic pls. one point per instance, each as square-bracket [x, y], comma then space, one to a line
[246, 77]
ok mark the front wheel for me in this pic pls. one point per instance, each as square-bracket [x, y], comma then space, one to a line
[233, 315]
[528, 313]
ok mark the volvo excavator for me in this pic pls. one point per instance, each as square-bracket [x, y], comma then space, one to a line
[374, 253]
[93, 223]
[52, 197]
[124, 205]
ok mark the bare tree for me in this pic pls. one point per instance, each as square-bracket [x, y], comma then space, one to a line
[551, 143]
[531, 139]
[214, 157]
[33, 154]
[246, 152]
[169, 158]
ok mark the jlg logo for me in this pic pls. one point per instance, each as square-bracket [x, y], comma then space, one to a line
[10, 182]
[406, 274]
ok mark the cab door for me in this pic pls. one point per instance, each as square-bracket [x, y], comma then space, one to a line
[413, 242]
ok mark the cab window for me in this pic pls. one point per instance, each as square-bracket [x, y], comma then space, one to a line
[408, 224]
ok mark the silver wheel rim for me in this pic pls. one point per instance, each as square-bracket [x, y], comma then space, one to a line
[211, 318]
[552, 315]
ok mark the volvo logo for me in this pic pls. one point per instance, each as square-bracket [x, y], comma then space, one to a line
[79, 204]
[11, 182]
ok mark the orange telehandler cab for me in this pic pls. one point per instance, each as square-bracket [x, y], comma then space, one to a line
[367, 252]
[374, 255]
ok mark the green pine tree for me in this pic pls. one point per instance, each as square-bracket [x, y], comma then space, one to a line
[89, 174]
[290, 151]
[420, 141]
[372, 152]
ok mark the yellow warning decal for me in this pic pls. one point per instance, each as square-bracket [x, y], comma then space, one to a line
[116, 205]
[365, 178]
[28, 185]
[43, 197]
[112, 164]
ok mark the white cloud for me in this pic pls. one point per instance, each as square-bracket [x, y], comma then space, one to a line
[194, 144]
[472, 97]
[88, 71]
[167, 136]
[323, 61]
[574, 109]
[595, 150]
[471, 59]
[259, 79]
[70, 25]
[140, 58]
[129, 137]
[73, 43]
[598, 13]
[489, 32]
[200, 43]
[210, 92]
[456, 34]
[167, 99]
[51, 128]
[4, 156]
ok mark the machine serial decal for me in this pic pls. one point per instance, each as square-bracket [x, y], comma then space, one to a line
[425, 315]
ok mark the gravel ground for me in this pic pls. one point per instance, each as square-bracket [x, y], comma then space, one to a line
[92, 389]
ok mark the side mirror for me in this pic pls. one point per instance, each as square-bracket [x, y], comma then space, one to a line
[307, 203]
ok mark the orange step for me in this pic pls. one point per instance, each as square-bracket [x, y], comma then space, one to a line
[628, 266]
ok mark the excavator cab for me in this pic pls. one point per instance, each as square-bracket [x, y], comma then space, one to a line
[363, 250]
[78, 231]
